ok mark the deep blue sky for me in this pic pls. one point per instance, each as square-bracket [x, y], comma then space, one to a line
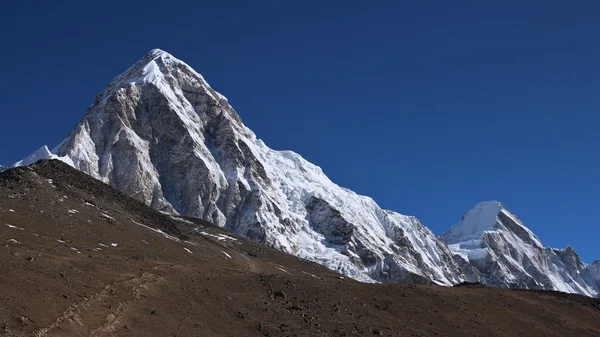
[427, 106]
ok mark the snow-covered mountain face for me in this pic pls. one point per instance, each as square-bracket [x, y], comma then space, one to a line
[161, 134]
[3, 168]
[508, 254]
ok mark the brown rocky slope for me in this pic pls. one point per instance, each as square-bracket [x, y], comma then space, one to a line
[78, 258]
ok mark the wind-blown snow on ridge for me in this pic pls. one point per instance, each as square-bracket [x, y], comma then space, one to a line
[162, 135]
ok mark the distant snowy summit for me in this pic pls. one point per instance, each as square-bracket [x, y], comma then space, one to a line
[507, 254]
[42, 153]
[161, 134]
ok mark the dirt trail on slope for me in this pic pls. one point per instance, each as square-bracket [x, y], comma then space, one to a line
[82, 316]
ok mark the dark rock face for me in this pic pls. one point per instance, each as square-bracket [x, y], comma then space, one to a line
[517, 229]
[328, 221]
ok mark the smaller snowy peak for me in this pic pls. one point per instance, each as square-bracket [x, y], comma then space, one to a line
[508, 254]
[479, 219]
[3, 168]
[485, 217]
[42, 153]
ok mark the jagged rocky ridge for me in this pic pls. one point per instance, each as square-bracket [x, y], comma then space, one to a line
[162, 135]
[507, 254]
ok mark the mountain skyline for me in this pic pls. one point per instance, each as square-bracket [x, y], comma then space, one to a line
[449, 109]
[44, 152]
[162, 135]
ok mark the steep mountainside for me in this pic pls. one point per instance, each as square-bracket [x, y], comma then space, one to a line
[78, 258]
[508, 254]
[162, 135]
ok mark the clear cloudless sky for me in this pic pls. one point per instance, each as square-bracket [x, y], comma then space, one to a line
[427, 106]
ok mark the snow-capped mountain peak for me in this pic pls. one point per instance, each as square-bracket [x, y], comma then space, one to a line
[481, 218]
[486, 217]
[161, 134]
[508, 254]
